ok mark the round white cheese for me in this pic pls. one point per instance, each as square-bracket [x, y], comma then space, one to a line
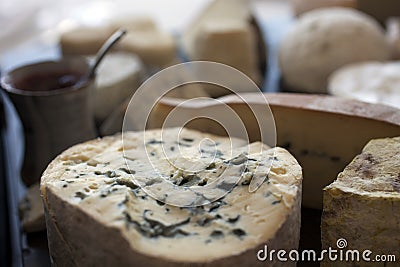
[372, 82]
[322, 41]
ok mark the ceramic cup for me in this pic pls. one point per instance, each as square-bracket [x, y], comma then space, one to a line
[53, 100]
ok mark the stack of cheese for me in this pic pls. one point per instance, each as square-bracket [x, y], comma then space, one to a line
[97, 215]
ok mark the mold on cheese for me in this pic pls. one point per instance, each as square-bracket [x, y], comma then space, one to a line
[98, 215]
[324, 133]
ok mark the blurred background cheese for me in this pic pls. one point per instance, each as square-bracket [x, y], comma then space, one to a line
[118, 77]
[133, 23]
[84, 40]
[154, 47]
[362, 205]
[225, 32]
[373, 82]
[323, 40]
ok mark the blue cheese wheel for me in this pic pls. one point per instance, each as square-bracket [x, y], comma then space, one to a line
[97, 215]
[362, 205]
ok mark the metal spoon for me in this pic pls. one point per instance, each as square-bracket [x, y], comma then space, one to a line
[99, 56]
[103, 51]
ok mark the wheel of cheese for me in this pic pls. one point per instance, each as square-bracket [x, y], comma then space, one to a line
[322, 41]
[97, 215]
[302, 6]
[118, 76]
[373, 82]
[365, 198]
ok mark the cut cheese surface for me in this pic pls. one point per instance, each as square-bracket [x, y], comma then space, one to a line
[324, 133]
[90, 192]
[365, 198]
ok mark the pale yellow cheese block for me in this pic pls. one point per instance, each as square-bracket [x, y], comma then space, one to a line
[84, 40]
[225, 32]
[324, 133]
[230, 42]
[218, 9]
[155, 47]
[323, 40]
[96, 214]
[362, 205]
[134, 23]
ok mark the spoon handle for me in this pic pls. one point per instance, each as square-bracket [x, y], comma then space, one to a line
[104, 49]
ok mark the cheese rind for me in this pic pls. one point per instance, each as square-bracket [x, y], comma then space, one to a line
[210, 45]
[90, 184]
[362, 204]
